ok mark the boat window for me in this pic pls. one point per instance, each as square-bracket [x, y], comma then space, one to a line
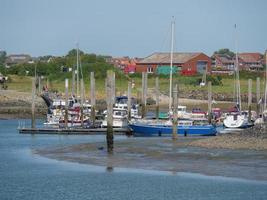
[235, 117]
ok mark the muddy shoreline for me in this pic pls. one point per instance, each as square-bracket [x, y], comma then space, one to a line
[165, 155]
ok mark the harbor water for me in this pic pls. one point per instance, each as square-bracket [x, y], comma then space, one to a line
[26, 175]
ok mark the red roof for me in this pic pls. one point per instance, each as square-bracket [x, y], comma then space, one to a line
[250, 57]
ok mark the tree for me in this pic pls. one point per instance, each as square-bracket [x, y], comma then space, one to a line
[226, 52]
[2, 57]
[73, 53]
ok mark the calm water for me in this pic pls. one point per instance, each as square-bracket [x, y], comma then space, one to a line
[24, 175]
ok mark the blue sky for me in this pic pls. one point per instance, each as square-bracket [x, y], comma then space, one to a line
[131, 27]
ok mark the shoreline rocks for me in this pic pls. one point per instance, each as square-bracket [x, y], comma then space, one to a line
[254, 138]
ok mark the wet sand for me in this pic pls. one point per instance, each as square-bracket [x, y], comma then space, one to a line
[165, 155]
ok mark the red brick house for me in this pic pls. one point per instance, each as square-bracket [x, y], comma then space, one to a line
[223, 62]
[186, 63]
[251, 61]
[126, 64]
[246, 61]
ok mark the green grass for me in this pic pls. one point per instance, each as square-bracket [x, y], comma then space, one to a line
[23, 83]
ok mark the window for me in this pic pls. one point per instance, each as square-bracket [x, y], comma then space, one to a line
[149, 69]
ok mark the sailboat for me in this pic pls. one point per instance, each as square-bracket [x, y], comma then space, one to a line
[78, 110]
[237, 119]
[164, 128]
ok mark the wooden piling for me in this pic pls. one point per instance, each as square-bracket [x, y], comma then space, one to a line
[129, 102]
[66, 102]
[109, 100]
[92, 96]
[175, 112]
[258, 95]
[144, 94]
[157, 97]
[249, 99]
[39, 84]
[33, 103]
[47, 83]
[209, 102]
[114, 88]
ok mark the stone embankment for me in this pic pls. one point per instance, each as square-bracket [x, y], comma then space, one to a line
[14, 104]
[254, 138]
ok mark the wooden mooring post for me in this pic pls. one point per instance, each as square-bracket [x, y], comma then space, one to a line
[209, 102]
[157, 97]
[33, 102]
[249, 99]
[92, 96]
[39, 85]
[258, 95]
[110, 90]
[129, 101]
[113, 88]
[47, 83]
[144, 93]
[175, 113]
[66, 102]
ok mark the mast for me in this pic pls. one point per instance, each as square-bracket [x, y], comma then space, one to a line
[171, 62]
[73, 81]
[78, 70]
[265, 94]
[238, 94]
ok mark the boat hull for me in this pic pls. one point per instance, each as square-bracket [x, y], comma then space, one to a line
[159, 130]
[117, 123]
[237, 121]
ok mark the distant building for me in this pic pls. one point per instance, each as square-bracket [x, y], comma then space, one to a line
[121, 63]
[108, 59]
[130, 69]
[246, 61]
[126, 64]
[183, 63]
[18, 59]
[223, 62]
[251, 61]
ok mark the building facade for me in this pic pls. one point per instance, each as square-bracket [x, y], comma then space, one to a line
[184, 63]
[246, 61]
[18, 59]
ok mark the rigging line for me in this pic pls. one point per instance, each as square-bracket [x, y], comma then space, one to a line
[164, 43]
[237, 72]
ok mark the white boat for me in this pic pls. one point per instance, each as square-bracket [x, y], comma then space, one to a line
[182, 113]
[55, 112]
[75, 121]
[236, 121]
[120, 118]
[121, 102]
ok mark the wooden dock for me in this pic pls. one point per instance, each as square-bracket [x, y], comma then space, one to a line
[78, 131]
